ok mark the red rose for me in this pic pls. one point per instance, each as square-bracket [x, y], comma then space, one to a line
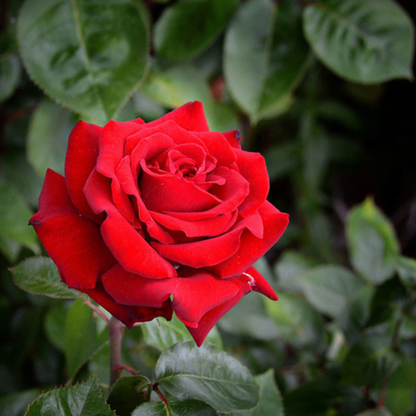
[159, 217]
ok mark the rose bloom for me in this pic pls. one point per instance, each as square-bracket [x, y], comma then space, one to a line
[157, 217]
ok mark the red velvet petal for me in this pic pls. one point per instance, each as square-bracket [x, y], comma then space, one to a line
[80, 160]
[233, 137]
[251, 247]
[129, 315]
[214, 315]
[193, 296]
[253, 167]
[190, 116]
[73, 241]
[218, 147]
[97, 191]
[259, 283]
[210, 227]
[131, 250]
[112, 141]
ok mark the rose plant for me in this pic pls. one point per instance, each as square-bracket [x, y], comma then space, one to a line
[157, 217]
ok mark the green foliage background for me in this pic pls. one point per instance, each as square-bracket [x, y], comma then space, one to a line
[324, 89]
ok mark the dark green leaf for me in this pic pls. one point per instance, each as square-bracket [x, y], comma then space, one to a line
[16, 404]
[382, 411]
[54, 325]
[9, 75]
[163, 334]
[48, 134]
[182, 84]
[406, 267]
[188, 27]
[207, 374]
[264, 57]
[369, 361]
[39, 276]
[83, 399]
[330, 288]
[296, 321]
[82, 337]
[271, 402]
[372, 242]
[88, 56]
[185, 408]
[127, 393]
[362, 41]
[14, 217]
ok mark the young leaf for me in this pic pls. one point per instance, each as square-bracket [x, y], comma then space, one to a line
[39, 276]
[88, 56]
[14, 216]
[82, 340]
[162, 334]
[296, 321]
[265, 56]
[175, 408]
[83, 399]
[363, 41]
[128, 393]
[330, 288]
[207, 374]
[48, 134]
[188, 27]
[9, 75]
[372, 242]
[369, 361]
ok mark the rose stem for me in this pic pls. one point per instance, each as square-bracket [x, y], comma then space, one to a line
[116, 331]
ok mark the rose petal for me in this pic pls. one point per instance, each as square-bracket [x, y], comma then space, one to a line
[233, 137]
[252, 166]
[80, 160]
[259, 283]
[190, 116]
[209, 227]
[73, 241]
[193, 296]
[129, 315]
[214, 315]
[251, 247]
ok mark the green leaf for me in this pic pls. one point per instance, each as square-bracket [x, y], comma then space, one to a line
[16, 404]
[381, 411]
[54, 325]
[289, 270]
[129, 392]
[48, 135]
[87, 56]
[14, 217]
[265, 56]
[83, 399]
[372, 242]
[363, 41]
[9, 75]
[188, 26]
[175, 408]
[82, 338]
[330, 288]
[406, 268]
[181, 84]
[163, 334]
[297, 322]
[271, 402]
[39, 276]
[207, 374]
[369, 361]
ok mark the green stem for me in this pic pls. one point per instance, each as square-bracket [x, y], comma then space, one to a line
[116, 331]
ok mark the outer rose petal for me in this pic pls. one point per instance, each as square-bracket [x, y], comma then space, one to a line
[234, 138]
[190, 116]
[73, 241]
[129, 315]
[193, 296]
[214, 315]
[259, 283]
[80, 160]
[251, 247]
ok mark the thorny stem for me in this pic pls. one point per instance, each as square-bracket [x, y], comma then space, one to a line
[97, 310]
[116, 331]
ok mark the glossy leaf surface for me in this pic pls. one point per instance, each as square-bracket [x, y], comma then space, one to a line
[174, 408]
